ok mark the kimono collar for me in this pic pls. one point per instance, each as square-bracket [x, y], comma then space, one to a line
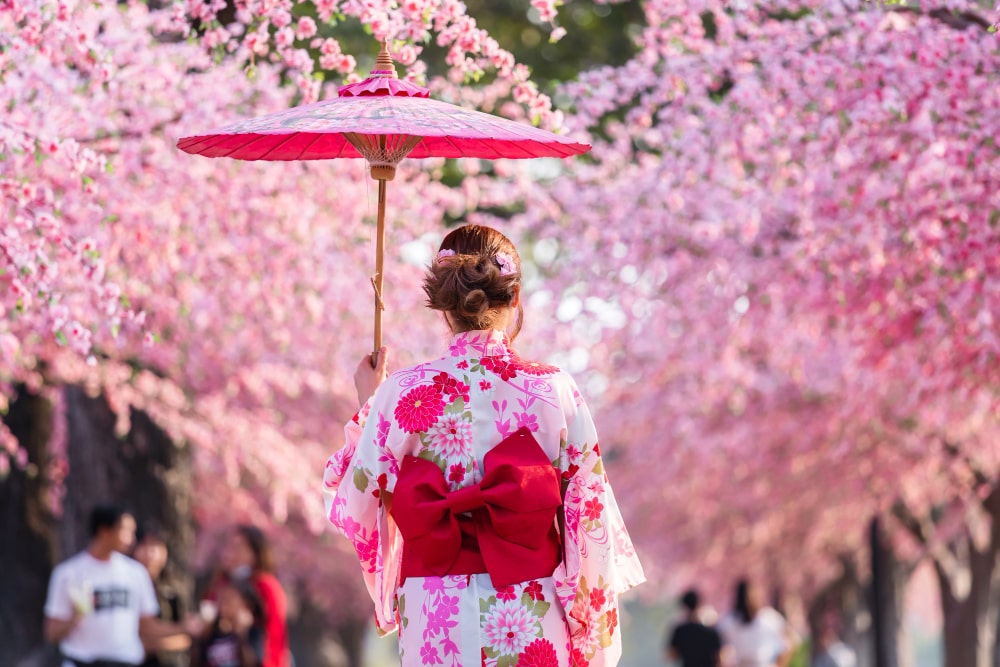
[484, 343]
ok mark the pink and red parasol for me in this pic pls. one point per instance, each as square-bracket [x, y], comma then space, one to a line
[383, 120]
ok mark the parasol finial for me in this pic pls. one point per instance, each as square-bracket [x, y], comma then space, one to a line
[384, 67]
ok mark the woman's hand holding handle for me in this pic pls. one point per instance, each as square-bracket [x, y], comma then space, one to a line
[367, 378]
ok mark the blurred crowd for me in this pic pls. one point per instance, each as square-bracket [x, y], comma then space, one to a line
[112, 605]
[752, 634]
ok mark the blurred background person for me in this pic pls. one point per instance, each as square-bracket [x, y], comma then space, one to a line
[100, 603]
[246, 556]
[151, 550]
[755, 634]
[830, 650]
[693, 642]
[236, 637]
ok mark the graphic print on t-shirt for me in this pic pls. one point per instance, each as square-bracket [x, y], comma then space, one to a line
[111, 597]
[223, 652]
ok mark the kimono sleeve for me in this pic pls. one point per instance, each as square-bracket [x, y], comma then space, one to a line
[354, 481]
[599, 559]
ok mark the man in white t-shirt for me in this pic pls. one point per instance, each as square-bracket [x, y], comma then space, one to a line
[100, 601]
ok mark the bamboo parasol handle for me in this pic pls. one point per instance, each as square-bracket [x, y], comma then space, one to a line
[377, 278]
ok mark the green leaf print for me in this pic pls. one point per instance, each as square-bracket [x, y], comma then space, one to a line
[433, 457]
[582, 592]
[537, 608]
[456, 407]
[401, 608]
[360, 479]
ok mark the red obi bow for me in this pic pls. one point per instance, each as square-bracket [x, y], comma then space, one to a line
[504, 525]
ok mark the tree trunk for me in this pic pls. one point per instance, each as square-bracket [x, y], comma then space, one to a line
[27, 545]
[352, 637]
[886, 595]
[849, 602]
[318, 643]
[970, 600]
[145, 472]
[843, 602]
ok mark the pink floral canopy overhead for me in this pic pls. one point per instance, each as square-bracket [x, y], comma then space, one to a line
[382, 119]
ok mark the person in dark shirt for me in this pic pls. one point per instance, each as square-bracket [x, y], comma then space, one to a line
[692, 642]
[236, 639]
[151, 550]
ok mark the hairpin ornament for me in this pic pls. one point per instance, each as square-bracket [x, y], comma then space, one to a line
[506, 262]
[503, 260]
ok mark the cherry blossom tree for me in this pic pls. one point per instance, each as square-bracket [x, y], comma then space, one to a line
[220, 299]
[775, 274]
[793, 218]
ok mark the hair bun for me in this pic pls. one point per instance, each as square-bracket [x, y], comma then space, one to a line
[467, 281]
[475, 305]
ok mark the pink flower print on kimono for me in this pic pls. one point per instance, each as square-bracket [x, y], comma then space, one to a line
[450, 437]
[444, 426]
[516, 626]
[507, 628]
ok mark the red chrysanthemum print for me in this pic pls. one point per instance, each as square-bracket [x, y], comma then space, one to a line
[578, 659]
[419, 408]
[539, 653]
[499, 366]
[533, 367]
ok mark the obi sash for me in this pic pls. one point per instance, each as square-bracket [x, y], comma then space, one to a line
[504, 525]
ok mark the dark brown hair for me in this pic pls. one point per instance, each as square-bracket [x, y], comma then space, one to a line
[105, 517]
[251, 598]
[263, 557]
[468, 285]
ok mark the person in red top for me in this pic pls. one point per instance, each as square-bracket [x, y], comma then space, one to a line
[247, 556]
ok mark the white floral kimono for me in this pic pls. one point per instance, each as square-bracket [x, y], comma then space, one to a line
[451, 412]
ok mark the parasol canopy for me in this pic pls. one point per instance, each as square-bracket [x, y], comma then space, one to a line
[383, 120]
[320, 131]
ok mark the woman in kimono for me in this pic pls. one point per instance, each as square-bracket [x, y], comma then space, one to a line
[473, 490]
